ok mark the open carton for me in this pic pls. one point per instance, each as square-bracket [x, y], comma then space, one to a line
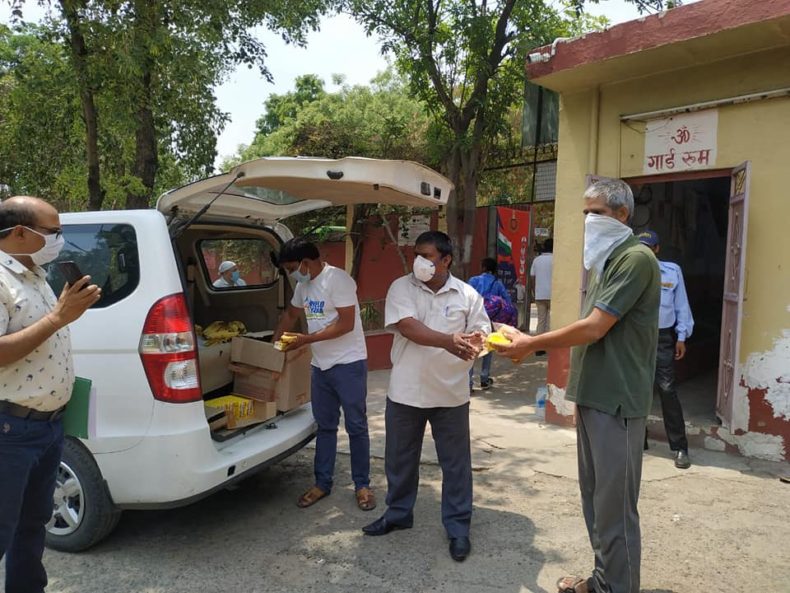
[266, 374]
[234, 411]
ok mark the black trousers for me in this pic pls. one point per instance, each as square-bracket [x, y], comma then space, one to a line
[665, 385]
[405, 429]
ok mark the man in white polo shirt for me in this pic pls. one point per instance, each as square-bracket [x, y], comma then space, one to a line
[328, 298]
[439, 324]
[36, 379]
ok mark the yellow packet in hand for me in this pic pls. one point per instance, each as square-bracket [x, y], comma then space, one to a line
[495, 338]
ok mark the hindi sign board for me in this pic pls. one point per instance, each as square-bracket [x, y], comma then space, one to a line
[682, 142]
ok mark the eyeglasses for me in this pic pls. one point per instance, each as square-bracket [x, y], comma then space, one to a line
[50, 230]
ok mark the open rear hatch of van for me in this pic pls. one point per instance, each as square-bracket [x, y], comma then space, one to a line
[268, 190]
[247, 202]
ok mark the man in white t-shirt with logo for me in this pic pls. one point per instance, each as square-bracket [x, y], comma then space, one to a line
[328, 298]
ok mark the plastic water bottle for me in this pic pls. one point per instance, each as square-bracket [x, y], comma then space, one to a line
[540, 401]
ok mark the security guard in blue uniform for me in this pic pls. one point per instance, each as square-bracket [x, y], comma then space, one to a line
[675, 324]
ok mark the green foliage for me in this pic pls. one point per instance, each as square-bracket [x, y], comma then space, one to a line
[377, 121]
[149, 67]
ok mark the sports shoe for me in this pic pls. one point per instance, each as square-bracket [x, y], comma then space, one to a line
[682, 460]
[486, 384]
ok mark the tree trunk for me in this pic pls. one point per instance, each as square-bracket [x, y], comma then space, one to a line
[462, 167]
[79, 57]
[357, 231]
[146, 157]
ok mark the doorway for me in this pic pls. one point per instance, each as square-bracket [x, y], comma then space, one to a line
[690, 216]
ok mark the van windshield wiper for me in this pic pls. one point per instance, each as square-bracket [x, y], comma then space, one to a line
[178, 228]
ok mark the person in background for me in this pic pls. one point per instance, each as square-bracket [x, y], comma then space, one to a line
[37, 375]
[541, 286]
[439, 324]
[611, 381]
[339, 373]
[228, 276]
[675, 324]
[487, 285]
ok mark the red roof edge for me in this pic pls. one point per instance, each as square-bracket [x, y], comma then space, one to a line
[672, 26]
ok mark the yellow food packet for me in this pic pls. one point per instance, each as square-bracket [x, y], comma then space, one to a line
[496, 338]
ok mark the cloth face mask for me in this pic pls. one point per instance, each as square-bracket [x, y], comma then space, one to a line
[601, 235]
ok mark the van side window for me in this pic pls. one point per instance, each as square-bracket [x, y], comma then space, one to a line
[232, 264]
[106, 252]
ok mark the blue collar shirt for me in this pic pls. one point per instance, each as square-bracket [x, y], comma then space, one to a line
[675, 311]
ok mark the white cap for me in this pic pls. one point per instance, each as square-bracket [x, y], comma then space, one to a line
[225, 266]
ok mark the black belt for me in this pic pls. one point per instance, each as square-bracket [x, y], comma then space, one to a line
[666, 330]
[17, 411]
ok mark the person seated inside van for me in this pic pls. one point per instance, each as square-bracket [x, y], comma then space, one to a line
[228, 276]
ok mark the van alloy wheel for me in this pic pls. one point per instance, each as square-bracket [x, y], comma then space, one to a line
[82, 512]
[68, 508]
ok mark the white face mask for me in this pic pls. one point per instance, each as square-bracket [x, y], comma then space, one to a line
[601, 235]
[424, 269]
[51, 249]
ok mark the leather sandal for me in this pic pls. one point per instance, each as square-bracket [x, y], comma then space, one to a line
[310, 497]
[366, 499]
[573, 584]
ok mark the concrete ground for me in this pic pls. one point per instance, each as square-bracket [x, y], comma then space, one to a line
[722, 524]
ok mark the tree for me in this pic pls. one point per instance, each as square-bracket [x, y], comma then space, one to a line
[377, 121]
[43, 131]
[157, 62]
[465, 60]
[41, 140]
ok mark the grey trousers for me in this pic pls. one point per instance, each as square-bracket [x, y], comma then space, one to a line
[405, 429]
[610, 470]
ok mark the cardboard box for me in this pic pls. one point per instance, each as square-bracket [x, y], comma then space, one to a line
[265, 374]
[288, 390]
[238, 411]
[261, 354]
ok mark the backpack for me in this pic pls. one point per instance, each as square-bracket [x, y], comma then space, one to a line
[498, 309]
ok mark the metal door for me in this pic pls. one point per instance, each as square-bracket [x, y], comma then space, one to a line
[734, 278]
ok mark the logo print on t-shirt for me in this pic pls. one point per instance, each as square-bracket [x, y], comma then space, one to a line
[314, 309]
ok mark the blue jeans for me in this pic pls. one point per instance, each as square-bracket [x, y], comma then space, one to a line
[342, 386]
[29, 459]
[485, 369]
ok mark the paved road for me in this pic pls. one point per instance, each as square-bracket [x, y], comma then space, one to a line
[722, 524]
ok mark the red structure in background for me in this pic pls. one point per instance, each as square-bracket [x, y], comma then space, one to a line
[380, 265]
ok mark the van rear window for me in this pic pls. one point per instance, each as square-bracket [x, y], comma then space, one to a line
[232, 264]
[106, 252]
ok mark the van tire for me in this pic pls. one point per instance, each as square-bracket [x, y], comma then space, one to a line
[81, 492]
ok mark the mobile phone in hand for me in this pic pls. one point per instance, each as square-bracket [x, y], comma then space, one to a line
[71, 272]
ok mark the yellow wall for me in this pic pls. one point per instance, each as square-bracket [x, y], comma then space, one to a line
[758, 132]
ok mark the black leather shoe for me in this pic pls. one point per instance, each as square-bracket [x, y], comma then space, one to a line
[382, 526]
[460, 548]
[682, 460]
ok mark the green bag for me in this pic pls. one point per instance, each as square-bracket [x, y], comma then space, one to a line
[75, 417]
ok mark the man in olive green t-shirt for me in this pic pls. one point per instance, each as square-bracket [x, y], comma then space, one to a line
[611, 380]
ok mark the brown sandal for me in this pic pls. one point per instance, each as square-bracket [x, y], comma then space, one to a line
[573, 584]
[312, 496]
[366, 499]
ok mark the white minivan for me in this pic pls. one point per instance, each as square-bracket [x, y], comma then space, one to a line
[148, 444]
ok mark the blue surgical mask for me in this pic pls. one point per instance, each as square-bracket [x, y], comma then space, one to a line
[235, 276]
[300, 276]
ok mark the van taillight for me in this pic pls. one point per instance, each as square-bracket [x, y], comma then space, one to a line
[167, 349]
